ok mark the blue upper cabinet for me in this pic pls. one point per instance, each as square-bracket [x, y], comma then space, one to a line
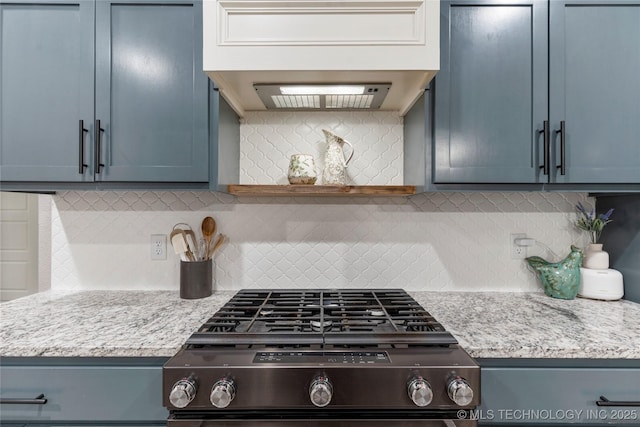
[538, 92]
[491, 92]
[595, 90]
[46, 90]
[142, 118]
[151, 92]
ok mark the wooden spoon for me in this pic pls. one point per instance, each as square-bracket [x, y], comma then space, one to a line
[208, 230]
[219, 241]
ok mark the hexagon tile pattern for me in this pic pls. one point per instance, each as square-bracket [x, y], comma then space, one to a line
[268, 139]
[432, 241]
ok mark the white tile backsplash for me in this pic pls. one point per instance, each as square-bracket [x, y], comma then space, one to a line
[433, 241]
[268, 139]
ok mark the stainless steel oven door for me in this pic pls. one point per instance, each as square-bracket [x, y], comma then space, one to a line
[310, 422]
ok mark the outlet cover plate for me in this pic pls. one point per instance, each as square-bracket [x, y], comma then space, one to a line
[517, 252]
[158, 247]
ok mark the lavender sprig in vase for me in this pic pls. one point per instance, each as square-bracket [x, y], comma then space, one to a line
[594, 257]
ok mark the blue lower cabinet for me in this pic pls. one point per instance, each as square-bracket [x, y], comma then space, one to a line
[559, 395]
[93, 392]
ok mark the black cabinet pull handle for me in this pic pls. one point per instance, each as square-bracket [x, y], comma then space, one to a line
[606, 402]
[547, 156]
[98, 130]
[562, 165]
[39, 400]
[81, 131]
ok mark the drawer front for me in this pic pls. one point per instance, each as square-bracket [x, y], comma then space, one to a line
[513, 396]
[83, 393]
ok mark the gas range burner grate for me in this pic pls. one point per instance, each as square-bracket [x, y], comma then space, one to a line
[322, 318]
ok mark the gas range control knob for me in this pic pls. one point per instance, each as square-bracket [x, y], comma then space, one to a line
[459, 391]
[320, 391]
[183, 392]
[222, 393]
[420, 391]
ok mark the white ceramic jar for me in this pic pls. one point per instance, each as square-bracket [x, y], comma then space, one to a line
[595, 258]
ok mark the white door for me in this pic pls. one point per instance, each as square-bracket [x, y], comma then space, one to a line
[18, 245]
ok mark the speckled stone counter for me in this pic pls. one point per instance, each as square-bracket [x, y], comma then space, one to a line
[102, 323]
[533, 325]
[156, 323]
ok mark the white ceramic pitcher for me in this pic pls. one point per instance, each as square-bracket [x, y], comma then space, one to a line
[335, 165]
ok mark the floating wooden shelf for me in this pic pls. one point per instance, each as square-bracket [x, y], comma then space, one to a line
[322, 190]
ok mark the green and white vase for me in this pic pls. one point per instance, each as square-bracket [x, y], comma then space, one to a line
[302, 169]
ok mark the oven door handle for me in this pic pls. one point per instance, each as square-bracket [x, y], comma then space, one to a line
[606, 402]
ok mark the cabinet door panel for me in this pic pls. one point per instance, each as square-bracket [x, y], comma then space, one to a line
[490, 92]
[84, 394]
[46, 87]
[595, 89]
[151, 92]
[532, 396]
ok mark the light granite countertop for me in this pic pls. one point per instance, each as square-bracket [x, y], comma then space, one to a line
[102, 323]
[156, 323]
[533, 325]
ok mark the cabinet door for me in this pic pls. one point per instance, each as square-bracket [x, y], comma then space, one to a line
[78, 394]
[514, 396]
[46, 88]
[151, 92]
[491, 92]
[595, 88]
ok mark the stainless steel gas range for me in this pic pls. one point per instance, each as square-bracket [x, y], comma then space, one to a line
[321, 358]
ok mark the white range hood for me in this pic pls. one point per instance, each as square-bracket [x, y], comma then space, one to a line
[381, 54]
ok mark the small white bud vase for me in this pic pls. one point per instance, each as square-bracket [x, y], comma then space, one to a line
[595, 258]
[302, 169]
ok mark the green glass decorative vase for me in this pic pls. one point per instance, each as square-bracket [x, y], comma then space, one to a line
[559, 279]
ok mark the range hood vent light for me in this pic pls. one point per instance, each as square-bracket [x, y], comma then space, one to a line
[321, 97]
[322, 90]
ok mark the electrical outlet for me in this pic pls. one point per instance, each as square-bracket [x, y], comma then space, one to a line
[517, 252]
[158, 246]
